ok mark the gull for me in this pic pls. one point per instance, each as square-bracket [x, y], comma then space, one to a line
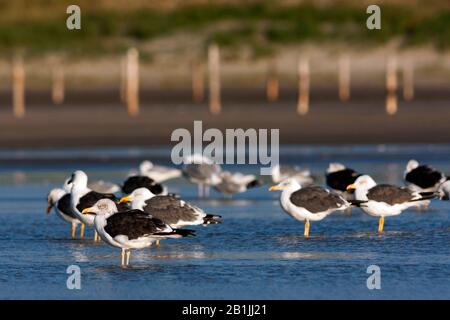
[423, 178]
[201, 171]
[385, 200]
[236, 182]
[137, 181]
[133, 229]
[158, 173]
[82, 197]
[60, 200]
[172, 210]
[283, 172]
[308, 204]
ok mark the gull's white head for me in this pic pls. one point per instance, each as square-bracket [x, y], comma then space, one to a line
[145, 166]
[335, 166]
[361, 185]
[290, 184]
[102, 207]
[412, 164]
[138, 197]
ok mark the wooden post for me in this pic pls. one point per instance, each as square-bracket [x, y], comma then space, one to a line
[214, 79]
[391, 86]
[57, 84]
[18, 87]
[344, 78]
[303, 86]
[123, 79]
[272, 87]
[198, 82]
[132, 96]
[408, 81]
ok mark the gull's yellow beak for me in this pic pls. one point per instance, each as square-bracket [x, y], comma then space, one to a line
[87, 210]
[125, 199]
[351, 187]
[272, 188]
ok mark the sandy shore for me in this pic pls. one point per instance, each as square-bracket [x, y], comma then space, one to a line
[98, 119]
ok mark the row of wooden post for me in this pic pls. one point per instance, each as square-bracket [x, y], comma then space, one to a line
[129, 82]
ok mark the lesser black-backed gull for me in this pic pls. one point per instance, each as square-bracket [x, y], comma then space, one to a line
[60, 200]
[338, 177]
[133, 229]
[82, 197]
[384, 200]
[308, 204]
[173, 211]
[158, 173]
[423, 178]
[135, 182]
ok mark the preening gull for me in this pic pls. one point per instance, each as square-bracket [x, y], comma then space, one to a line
[236, 182]
[158, 173]
[133, 229]
[283, 172]
[135, 182]
[173, 211]
[60, 200]
[201, 171]
[82, 197]
[384, 200]
[309, 203]
[423, 178]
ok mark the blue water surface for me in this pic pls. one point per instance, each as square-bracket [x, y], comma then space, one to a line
[257, 253]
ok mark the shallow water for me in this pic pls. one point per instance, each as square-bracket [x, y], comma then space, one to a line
[257, 253]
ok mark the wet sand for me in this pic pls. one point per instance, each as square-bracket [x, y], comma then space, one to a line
[97, 118]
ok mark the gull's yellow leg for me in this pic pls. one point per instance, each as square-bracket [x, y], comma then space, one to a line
[95, 236]
[381, 225]
[74, 226]
[82, 231]
[349, 209]
[306, 233]
[157, 243]
[123, 258]
[128, 256]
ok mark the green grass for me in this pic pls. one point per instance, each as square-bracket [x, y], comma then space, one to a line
[258, 25]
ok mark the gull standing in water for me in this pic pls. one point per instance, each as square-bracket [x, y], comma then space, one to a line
[423, 178]
[309, 203]
[60, 200]
[172, 210]
[384, 200]
[203, 172]
[131, 229]
[82, 197]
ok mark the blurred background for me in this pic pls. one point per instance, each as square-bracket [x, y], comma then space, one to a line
[137, 70]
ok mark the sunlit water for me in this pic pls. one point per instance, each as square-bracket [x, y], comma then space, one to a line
[257, 253]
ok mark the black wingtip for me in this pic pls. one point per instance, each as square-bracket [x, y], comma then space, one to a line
[357, 203]
[428, 195]
[185, 232]
[212, 219]
[255, 183]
